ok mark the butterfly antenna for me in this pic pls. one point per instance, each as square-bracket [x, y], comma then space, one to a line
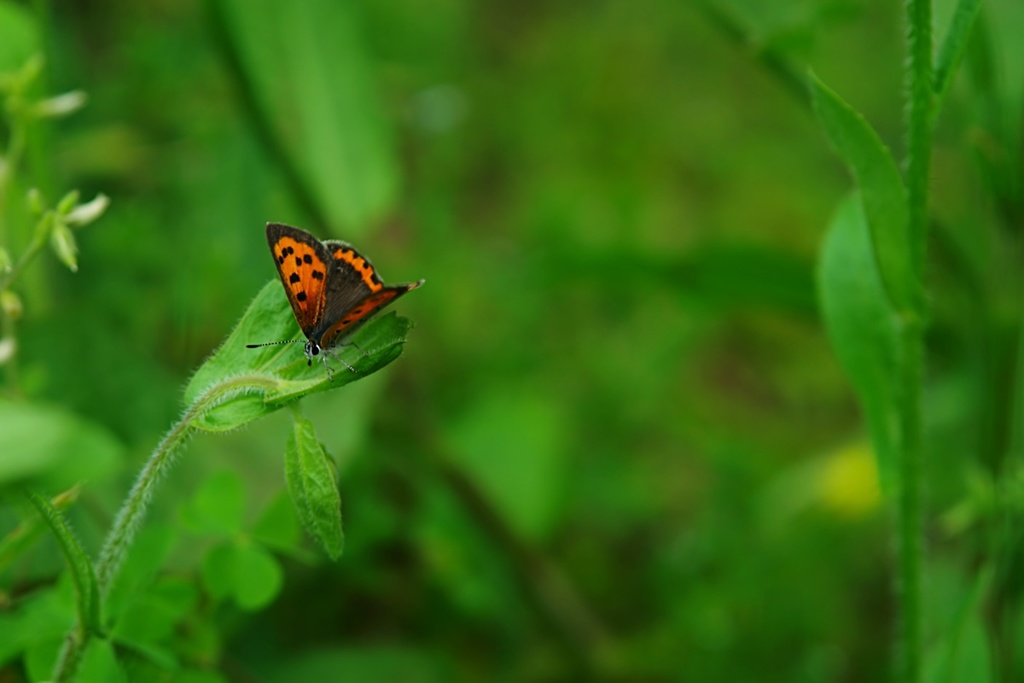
[283, 341]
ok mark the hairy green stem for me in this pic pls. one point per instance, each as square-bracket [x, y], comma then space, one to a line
[920, 102]
[133, 510]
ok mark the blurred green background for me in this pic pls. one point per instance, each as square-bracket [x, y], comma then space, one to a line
[618, 445]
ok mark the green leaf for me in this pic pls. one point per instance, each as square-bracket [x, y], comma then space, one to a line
[313, 486]
[951, 53]
[55, 446]
[277, 527]
[862, 328]
[513, 448]
[99, 664]
[962, 654]
[19, 37]
[218, 507]
[40, 656]
[82, 575]
[150, 550]
[313, 83]
[258, 577]
[881, 191]
[245, 573]
[256, 382]
[148, 620]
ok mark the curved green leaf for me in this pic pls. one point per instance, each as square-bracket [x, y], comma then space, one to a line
[310, 77]
[313, 486]
[881, 191]
[256, 382]
[48, 443]
[862, 327]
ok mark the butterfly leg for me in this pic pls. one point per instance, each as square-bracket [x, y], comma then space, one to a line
[332, 354]
[358, 347]
[327, 368]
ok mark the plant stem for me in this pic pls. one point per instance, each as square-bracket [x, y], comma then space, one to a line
[920, 99]
[38, 243]
[133, 510]
[908, 503]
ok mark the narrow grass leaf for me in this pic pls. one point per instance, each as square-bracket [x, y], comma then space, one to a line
[861, 325]
[82, 575]
[18, 541]
[962, 654]
[313, 486]
[952, 50]
[313, 81]
[881, 191]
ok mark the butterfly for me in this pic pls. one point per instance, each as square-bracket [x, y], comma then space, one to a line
[332, 288]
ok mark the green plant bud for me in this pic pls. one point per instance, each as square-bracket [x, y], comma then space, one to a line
[60, 105]
[63, 242]
[68, 202]
[83, 214]
[5, 261]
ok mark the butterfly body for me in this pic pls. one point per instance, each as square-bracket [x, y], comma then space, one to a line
[332, 288]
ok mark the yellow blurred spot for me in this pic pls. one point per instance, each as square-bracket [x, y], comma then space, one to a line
[848, 483]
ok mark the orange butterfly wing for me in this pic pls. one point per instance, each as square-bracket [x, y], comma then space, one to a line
[363, 311]
[302, 262]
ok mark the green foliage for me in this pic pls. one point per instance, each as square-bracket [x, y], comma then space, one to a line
[863, 329]
[882, 193]
[250, 383]
[329, 121]
[312, 482]
[659, 416]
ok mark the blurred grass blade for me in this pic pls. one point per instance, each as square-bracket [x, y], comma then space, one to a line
[861, 325]
[962, 653]
[82, 573]
[881, 190]
[951, 53]
[17, 542]
[312, 482]
[281, 372]
[312, 81]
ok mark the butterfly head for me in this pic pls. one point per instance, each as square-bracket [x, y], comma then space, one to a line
[312, 350]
